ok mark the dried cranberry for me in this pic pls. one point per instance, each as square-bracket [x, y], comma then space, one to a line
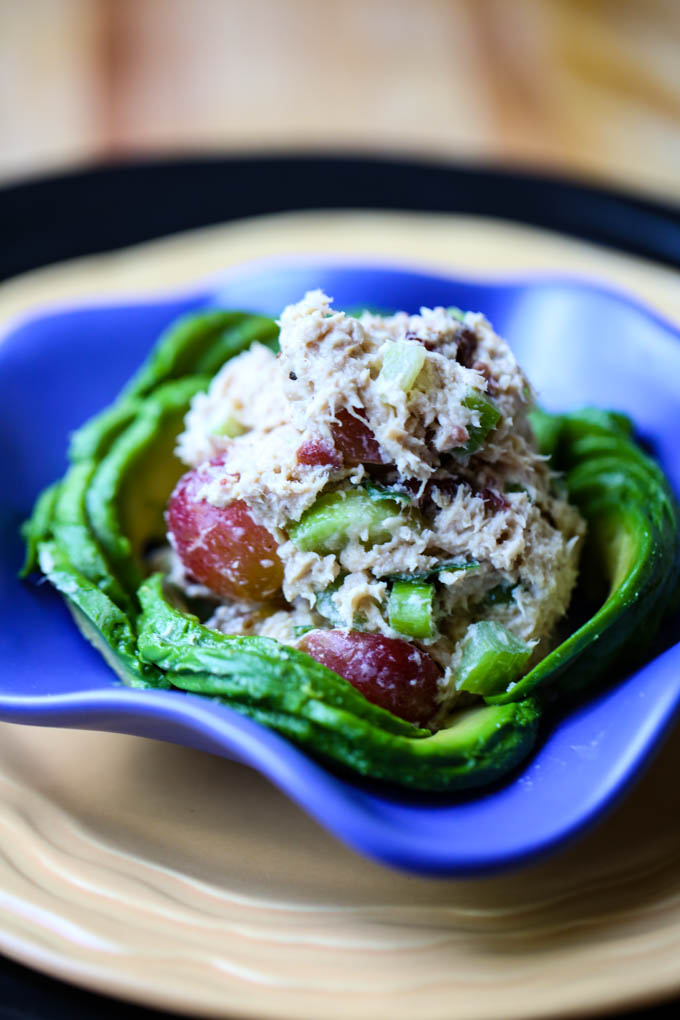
[467, 345]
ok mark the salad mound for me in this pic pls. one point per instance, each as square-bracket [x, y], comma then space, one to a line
[376, 542]
[373, 495]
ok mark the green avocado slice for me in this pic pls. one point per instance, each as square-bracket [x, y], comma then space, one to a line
[199, 344]
[131, 484]
[481, 746]
[93, 439]
[38, 527]
[102, 622]
[72, 531]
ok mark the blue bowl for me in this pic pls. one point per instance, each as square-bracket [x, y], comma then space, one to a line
[579, 343]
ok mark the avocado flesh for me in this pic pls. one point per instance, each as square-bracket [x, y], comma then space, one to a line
[129, 489]
[99, 520]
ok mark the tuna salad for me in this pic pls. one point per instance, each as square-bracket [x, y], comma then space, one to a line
[373, 495]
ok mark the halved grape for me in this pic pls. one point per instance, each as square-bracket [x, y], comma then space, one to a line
[318, 453]
[354, 440]
[222, 547]
[394, 674]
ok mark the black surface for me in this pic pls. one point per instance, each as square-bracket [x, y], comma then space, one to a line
[46, 220]
[101, 208]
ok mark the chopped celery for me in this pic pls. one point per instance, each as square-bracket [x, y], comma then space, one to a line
[410, 608]
[303, 628]
[456, 313]
[231, 428]
[402, 361]
[492, 659]
[339, 517]
[489, 417]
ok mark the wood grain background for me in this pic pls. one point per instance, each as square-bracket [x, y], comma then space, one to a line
[587, 86]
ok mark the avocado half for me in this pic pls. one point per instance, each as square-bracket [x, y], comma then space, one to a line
[88, 533]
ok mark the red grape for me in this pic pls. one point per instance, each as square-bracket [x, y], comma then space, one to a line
[391, 673]
[318, 453]
[222, 547]
[354, 439]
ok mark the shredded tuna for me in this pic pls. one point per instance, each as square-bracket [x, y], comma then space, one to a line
[325, 415]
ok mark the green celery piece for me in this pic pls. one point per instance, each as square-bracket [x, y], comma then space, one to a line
[493, 658]
[338, 517]
[402, 362]
[410, 608]
[456, 313]
[230, 428]
[38, 527]
[489, 417]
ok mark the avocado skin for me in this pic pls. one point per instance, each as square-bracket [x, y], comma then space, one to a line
[88, 532]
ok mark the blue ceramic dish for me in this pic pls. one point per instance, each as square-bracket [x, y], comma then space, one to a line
[579, 343]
